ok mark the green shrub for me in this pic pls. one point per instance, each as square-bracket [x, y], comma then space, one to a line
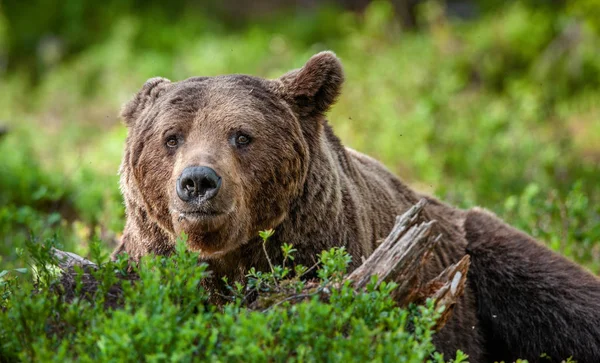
[164, 315]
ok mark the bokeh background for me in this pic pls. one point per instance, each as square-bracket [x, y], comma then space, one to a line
[489, 103]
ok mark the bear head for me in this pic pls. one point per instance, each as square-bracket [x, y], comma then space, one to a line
[221, 158]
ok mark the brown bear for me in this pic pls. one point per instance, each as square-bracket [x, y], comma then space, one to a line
[225, 157]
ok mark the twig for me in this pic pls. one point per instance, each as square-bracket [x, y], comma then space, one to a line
[269, 260]
[67, 260]
[295, 297]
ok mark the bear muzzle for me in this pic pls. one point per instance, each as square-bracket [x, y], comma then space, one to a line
[197, 184]
[202, 207]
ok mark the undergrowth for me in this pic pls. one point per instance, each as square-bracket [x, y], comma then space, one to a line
[164, 315]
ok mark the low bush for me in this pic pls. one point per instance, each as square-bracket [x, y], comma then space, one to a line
[164, 315]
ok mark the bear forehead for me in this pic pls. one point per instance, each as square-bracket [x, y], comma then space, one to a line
[221, 101]
[229, 90]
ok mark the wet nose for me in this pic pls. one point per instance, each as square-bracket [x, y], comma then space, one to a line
[198, 182]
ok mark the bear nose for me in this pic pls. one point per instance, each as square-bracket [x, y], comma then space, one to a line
[198, 181]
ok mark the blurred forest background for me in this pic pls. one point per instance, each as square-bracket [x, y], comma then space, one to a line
[490, 103]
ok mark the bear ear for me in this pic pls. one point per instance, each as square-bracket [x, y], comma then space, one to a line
[150, 92]
[316, 86]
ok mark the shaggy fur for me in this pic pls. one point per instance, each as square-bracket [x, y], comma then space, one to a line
[295, 176]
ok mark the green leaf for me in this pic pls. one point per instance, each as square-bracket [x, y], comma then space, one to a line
[266, 234]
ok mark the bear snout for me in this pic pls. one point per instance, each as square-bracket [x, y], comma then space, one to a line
[198, 183]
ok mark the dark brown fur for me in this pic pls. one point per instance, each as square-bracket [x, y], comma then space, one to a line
[296, 177]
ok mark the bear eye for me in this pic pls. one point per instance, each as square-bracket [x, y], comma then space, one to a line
[172, 142]
[242, 139]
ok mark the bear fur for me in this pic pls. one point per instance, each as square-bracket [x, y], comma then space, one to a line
[295, 176]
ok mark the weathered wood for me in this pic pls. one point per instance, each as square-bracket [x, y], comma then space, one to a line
[397, 249]
[447, 288]
[400, 258]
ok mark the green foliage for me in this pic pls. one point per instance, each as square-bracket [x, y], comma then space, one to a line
[334, 263]
[569, 223]
[259, 281]
[165, 316]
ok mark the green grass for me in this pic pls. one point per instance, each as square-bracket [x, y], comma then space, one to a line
[495, 112]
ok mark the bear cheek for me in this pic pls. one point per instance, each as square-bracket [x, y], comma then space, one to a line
[268, 200]
[154, 181]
